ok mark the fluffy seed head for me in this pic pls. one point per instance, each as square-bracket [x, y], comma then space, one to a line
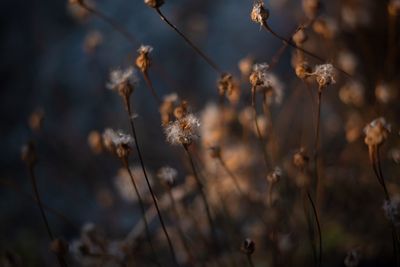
[324, 75]
[117, 142]
[259, 14]
[267, 82]
[168, 175]
[143, 60]
[376, 132]
[182, 131]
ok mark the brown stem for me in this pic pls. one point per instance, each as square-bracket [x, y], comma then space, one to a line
[60, 259]
[179, 228]
[311, 231]
[250, 260]
[318, 227]
[111, 22]
[259, 135]
[204, 199]
[195, 48]
[290, 43]
[142, 210]
[151, 87]
[170, 245]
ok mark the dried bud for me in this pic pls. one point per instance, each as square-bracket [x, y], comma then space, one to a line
[300, 159]
[274, 176]
[303, 70]
[376, 132]
[36, 120]
[59, 247]
[95, 142]
[28, 153]
[324, 75]
[181, 110]
[168, 175]
[311, 8]
[259, 14]
[154, 3]
[299, 37]
[143, 60]
[248, 246]
[215, 152]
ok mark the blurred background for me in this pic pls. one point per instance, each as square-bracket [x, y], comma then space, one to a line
[55, 63]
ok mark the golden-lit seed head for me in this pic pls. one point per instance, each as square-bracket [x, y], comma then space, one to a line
[259, 14]
[248, 246]
[154, 3]
[168, 175]
[303, 70]
[376, 132]
[143, 60]
[324, 75]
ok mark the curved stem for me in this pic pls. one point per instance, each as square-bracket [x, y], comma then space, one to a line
[142, 210]
[60, 259]
[260, 137]
[290, 43]
[151, 87]
[195, 48]
[171, 247]
[204, 199]
[318, 227]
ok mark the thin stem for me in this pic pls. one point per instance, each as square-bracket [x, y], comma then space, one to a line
[179, 227]
[151, 87]
[318, 227]
[318, 122]
[260, 137]
[290, 43]
[111, 22]
[55, 212]
[171, 247]
[142, 210]
[198, 50]
[204, 199]
[232, 175]
[310, 225]
[250, 260]
[60, 259]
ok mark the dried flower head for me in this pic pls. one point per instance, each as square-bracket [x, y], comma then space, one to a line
[302, 69]
[92, 41]
[123, 81]
[154, 3]
[385, 92]
[376, 132]
[299, 37]
[391, 208]
[245, 66]
[227, 86]
[143, 60]
[117, 142]
[259, 14]
[167, 108]
[248, 246]
[352, 259]
[95, 141]
[182, 131]
[324, 75]
[300, 159]
[274, 176]
[267, 82]
[168, 175]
